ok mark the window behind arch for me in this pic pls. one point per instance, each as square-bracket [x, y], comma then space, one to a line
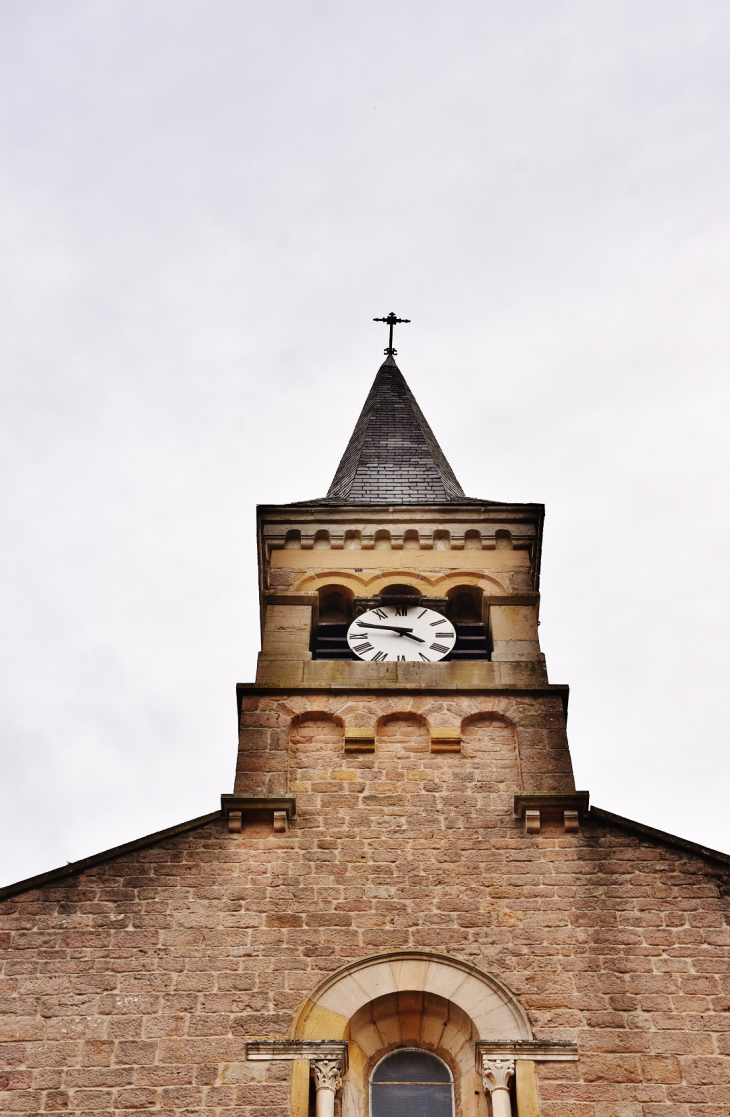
[411, 1083]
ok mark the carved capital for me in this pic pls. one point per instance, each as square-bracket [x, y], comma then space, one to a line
[327, 1074]
[496, 1073]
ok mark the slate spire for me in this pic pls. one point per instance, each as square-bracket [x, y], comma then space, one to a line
[393, 456]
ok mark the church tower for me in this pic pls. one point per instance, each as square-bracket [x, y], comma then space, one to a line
[396, 540]
[403, 908]
[400, 718]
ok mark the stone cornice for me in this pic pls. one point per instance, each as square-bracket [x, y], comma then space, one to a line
[365, 513]
[285, 803]
[551, 802]
[266, 1050]
[538, 1051]
[552, 690]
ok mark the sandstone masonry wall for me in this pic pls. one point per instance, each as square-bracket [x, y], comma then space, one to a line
[134, 985]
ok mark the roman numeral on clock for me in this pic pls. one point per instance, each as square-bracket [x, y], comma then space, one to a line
[444, 635]
[379, 657]
[401, 610]
[362, 648]
[424, 657]
[438, 648]
[379, 613]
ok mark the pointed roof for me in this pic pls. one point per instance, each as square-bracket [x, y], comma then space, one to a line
[393, 456]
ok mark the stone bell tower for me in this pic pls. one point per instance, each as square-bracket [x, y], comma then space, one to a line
[396, 526]
[387, 763]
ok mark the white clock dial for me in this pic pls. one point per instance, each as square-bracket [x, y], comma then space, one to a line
[393, 633]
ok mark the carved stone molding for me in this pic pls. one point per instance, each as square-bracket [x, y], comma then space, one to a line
[264, 1050]
[563, 1051]
[496, 1073]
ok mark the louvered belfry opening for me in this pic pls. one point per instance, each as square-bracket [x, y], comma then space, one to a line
[336, 614]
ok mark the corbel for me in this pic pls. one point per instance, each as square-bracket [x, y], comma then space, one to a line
[235, 807]
[359, 738]
[537, 807]
[446, 740]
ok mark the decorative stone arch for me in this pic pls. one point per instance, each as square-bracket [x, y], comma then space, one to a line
[335, 603]
[494, 716]
[312, 726]
[402, 733]
[401, 999]
[486, 582]
[312, 582]
[492, 1008]
[415, 578]
[438, 585]
[362, 584]
[489, 737]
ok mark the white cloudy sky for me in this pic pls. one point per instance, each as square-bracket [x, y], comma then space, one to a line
[204, 203]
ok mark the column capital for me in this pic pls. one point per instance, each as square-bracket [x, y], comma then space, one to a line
[496, 1073]
[327, 1073]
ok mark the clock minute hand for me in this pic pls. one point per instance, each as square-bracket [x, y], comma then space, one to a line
[392, 628]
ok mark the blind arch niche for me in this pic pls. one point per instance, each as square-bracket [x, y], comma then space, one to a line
[411, 1082]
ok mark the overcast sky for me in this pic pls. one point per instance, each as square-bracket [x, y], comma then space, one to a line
[204, 204]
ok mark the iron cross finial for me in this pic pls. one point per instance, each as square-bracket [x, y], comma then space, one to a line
[391, 320]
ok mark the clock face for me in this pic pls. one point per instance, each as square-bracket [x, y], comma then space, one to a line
[393, 633]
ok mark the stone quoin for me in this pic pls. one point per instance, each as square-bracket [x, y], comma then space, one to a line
[402, 867]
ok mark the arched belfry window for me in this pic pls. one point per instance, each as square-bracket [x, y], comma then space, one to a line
[411, 1083]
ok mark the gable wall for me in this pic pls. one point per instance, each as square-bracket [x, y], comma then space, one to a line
[135, 985]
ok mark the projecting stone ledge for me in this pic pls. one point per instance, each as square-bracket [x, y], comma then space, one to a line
[234, 807]
[266, 1050]
[536, 807]
[301, 673]
[560, 1051]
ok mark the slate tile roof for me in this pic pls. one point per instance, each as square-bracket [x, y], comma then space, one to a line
[393, 456]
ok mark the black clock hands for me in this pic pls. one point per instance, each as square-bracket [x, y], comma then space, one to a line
[392, 628]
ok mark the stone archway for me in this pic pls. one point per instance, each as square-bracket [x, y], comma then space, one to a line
[407, 998]
[493, 1009]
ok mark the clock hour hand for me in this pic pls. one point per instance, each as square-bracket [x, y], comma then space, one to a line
[409, 633]
[392, 628]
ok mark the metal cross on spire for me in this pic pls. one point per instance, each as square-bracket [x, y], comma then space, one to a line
[391, 320]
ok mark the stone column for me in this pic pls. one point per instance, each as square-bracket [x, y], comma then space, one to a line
[496, 1074]
[327, 1079]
